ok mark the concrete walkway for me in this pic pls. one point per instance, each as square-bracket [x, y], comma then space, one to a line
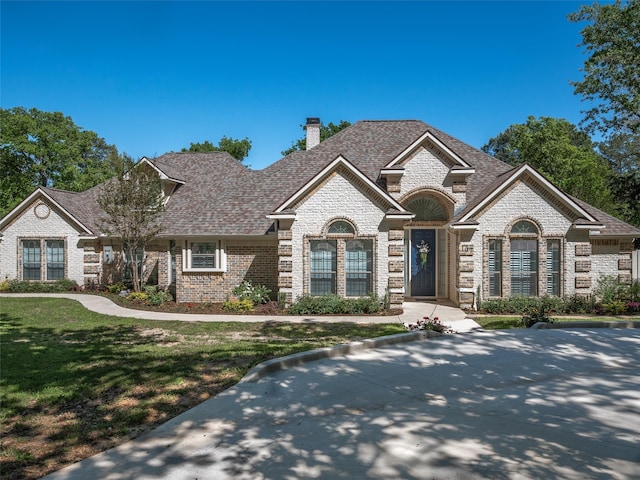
[412, 311]
[517, 404]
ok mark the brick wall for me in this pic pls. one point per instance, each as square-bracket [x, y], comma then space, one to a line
[520, 202]
[337, 198]
[257, 263]
[47, 224]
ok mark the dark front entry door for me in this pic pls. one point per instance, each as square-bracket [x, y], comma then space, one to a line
[423, 263]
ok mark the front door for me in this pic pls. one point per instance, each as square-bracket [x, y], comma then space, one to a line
[422, 253]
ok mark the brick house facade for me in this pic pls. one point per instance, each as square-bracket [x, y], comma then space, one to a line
[394, 208]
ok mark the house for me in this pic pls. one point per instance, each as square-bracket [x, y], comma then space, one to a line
[396, 208]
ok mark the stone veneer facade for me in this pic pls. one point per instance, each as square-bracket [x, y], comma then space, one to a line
[339, 197]
[46, 224]
[281, 262]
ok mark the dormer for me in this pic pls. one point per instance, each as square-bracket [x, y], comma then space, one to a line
[168, 179]
[459, 169]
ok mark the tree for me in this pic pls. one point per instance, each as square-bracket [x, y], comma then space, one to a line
[47, 149]
[326, 131]
[133, 204]
[612, 71]
[238, 149]
[562, 153]
[622, 151]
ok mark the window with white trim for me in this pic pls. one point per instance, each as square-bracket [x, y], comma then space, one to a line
[204, 256]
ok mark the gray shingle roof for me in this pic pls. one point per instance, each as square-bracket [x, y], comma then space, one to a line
[221, 196]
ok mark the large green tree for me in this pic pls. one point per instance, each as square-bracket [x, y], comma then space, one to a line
[238, 149]
[562, 153]
[612, 70]
[326, 131]
[622, 151]
[47, 149]
[611, 84]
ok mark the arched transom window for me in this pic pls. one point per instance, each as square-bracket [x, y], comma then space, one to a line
[427, 209]
[340, 226]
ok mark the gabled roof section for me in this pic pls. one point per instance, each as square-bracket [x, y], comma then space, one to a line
[505, 180]
[58, 199]
[613, 227]
[394, 208]
[165, 171]
[429, 137]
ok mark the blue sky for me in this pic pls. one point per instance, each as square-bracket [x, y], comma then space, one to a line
[152, 77]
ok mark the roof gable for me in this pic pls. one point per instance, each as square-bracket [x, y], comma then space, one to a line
[527, 174]
[43, 193]
[431, 142]
[342, 166]
[165, 172]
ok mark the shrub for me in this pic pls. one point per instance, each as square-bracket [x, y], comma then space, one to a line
[536, 315]
[616, 307]
[21, 286]
[579, 304]
[516, 305]
[256, 293]
[4, 286]
[332, 304]
[608, 289]
[137, 297]
[524, 305]
[237, 306]
[116, 288]
[157, 296]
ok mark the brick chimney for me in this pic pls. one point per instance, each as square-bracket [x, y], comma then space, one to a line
[313, 132]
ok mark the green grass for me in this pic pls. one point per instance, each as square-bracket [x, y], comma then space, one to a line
[500, 322]
[74, 382]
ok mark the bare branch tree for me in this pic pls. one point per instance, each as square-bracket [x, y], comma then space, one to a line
[133, 204]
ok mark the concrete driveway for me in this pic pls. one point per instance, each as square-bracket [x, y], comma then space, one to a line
[523, 404]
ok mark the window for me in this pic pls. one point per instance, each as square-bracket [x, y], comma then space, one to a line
[427, 209]
[341, 227]
[55, 259]
[206, 256]
[553, 267]
[43, 260]
[323, 263]
[358, 268]
[31, 260]
[172, 261]
[129, 264]
[203, 255]
[524, 267]
[495, 268]
[524, 226]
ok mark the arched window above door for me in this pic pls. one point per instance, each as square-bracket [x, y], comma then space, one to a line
[524, 226]
[427, 209]
[340, 226]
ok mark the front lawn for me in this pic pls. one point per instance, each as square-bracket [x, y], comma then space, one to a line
[74, 383]
[499, 322]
